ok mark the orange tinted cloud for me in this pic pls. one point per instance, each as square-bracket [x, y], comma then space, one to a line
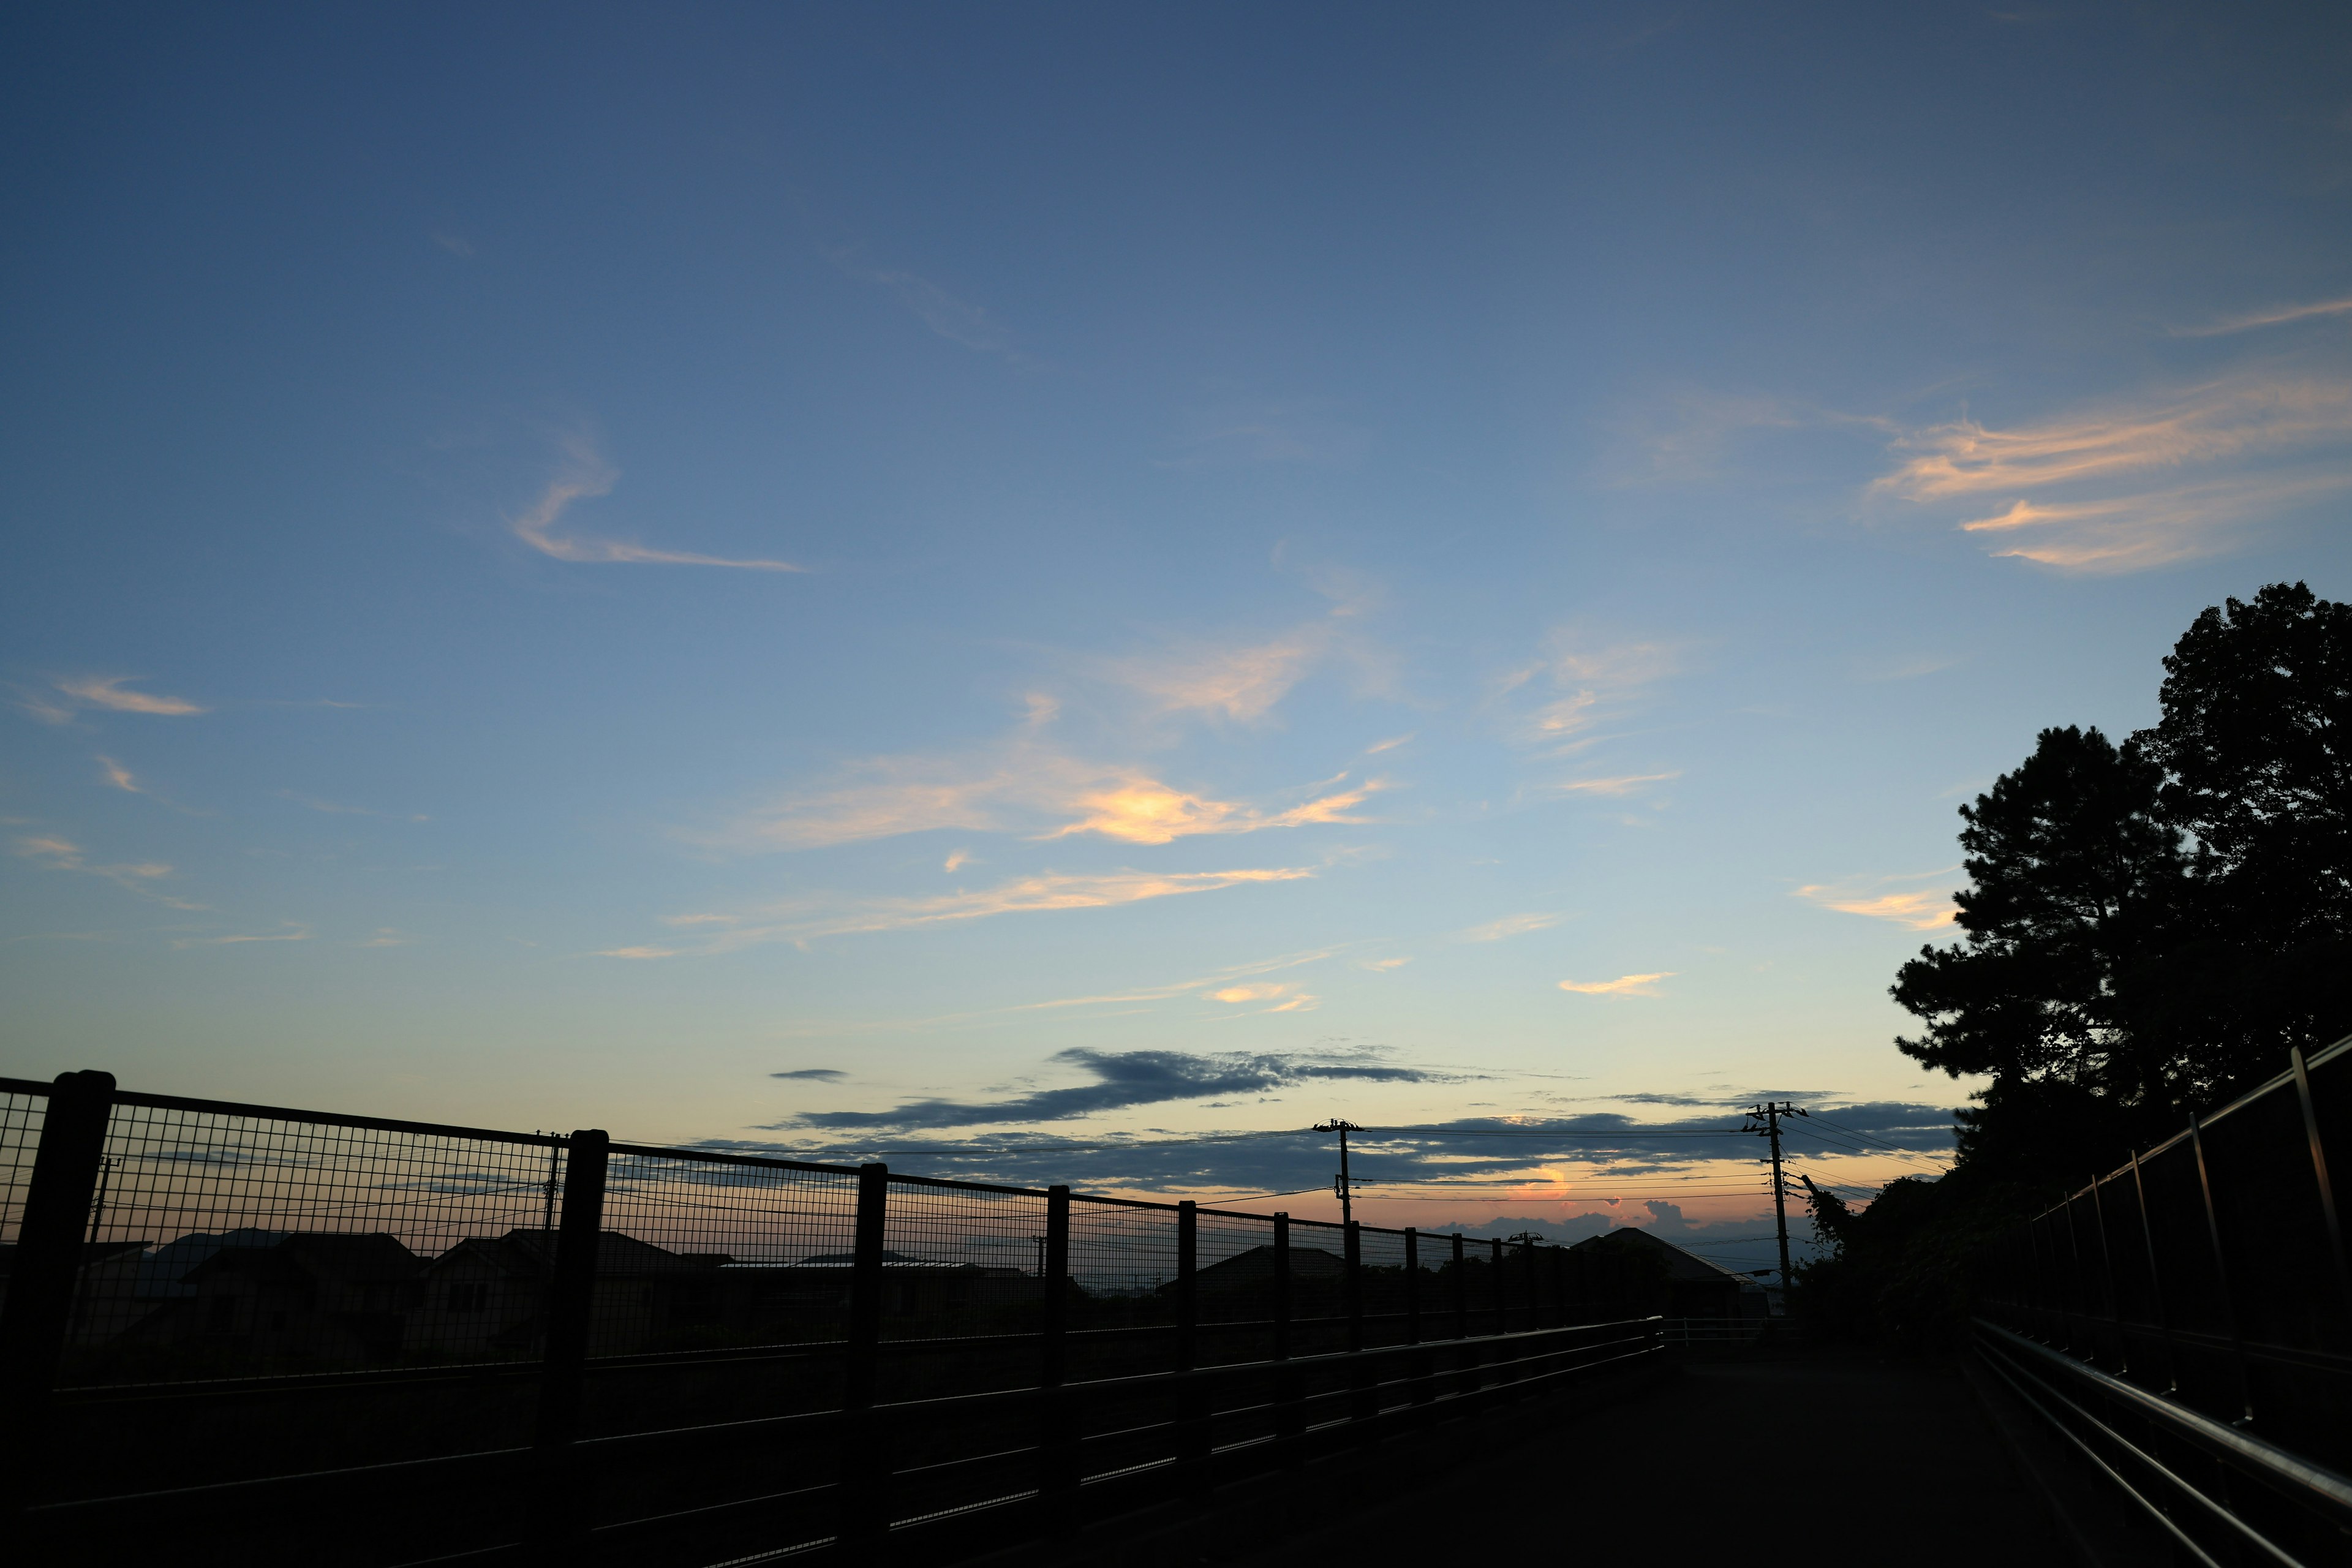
[1624, 985]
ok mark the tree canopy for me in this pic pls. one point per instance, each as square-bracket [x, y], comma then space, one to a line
[2150, 925]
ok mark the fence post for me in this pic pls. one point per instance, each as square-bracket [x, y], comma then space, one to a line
[1559, 1286]
[2156, 1281]
[1290, 1417]
[1462, 1353]
[1494, 1289]
[2319, 1172]
[1282, 1287]
[47, 1268]
[1359, 1372]
[1192, 1414]
[1057, 1469]
[1461, 1291]
[865, 1457]
[2076, 1294]
[2108, 1280]
[1412, 1286]
[1351, 1248]
[1535, 1297]
[571, 1322]
[2221, 1268]
[1421, 1366]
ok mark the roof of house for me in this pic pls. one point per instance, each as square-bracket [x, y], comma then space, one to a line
[898, 1261]
[1255, 1266]
[367, 1255]
[1687, 1267]
[531, 1254]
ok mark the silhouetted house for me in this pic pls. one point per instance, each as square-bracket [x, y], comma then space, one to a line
[780, 1296]
[1254, 1270]
[488, 1296]
[312, 1295]
[1676, 1283]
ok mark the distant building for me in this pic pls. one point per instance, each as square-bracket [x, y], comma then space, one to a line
[1253, 1272]
[488, 1296]
[758, 1296]
[312, 1295]
[1683, 1285]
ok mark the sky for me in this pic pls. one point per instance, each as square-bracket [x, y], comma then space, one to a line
[1021, 587]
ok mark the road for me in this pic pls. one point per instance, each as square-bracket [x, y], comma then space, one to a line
[1811, 1455]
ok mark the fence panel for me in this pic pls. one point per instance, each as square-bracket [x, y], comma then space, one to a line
[271, 1302]
[228, 1244]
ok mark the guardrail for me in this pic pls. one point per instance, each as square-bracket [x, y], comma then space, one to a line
[2184, 1321]
[1716, 1331]
[2222, 1495]
[228, 1327]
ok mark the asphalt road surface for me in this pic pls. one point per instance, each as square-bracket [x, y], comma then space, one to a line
[1807, 1455]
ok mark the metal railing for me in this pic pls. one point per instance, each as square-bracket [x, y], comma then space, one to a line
[230, 1322]
[1716, 1331]
[2185, 1322]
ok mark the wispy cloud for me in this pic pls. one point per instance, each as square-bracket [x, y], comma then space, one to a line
[1887, 899]
[1580, 682]
[2131, 532]
[1392, 743]
[1624, 985]
[114, 775]
[812, 1075]
[109, 691]
[2277, 316]
[333, 808]
[585, 477]
[139, 876]
[1268, 433]
[1222, 979]
[1621, 784]
[1384, 966]
[957, 321]
[1241, 684]
[1023, 784]
[293, 932]
[2074, 491]
[1284, 995]
[1144, 811]
[1510, 926]
[1045, 892]
[956, 861]
[1121, 1079]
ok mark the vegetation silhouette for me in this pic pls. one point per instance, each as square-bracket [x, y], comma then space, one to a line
[2150, 925]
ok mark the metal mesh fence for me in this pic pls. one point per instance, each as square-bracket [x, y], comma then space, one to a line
[260, 1297]
[703, 1252]
[232, 1242]
[22, 1111]
[225, 1243]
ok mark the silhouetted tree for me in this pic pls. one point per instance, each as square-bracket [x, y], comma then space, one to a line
[2077, 885]
[2151, 925]
[2256, 741]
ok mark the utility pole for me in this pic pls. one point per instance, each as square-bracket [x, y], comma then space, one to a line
[1340, 1184]
[1769, 1114]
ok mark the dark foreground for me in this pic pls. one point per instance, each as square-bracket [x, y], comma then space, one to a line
[1802, 1454]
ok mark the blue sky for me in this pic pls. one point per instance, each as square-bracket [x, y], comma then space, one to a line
[1064, 573]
